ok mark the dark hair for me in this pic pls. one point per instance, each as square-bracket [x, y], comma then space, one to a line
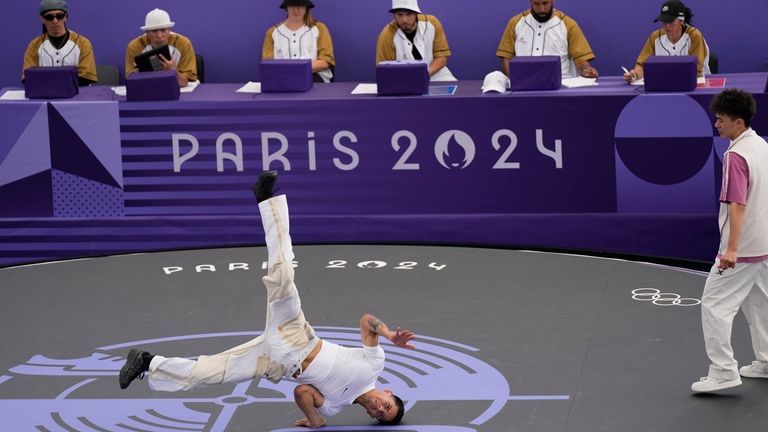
[400, 411]
[736, 104]
[688, 15]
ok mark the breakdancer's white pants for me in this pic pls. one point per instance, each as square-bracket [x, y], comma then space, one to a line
[287, 337]
[744, 286]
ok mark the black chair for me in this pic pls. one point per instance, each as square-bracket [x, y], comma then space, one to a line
[200, 68]
[316, 76]
[107, 74]
[713, 63]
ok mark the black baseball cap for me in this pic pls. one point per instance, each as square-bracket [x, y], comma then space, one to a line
[306, 3]
[670, 11]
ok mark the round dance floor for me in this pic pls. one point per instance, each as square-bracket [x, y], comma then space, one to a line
[507, 341]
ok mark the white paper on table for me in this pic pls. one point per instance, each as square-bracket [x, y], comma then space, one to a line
[250, 87]
[14, 95]
[365, 88]
[579, 82]
[191, 86]
[638, 82]
[701, 80]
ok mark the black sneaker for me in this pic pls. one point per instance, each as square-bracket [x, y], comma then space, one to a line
[264, 188]
[134, 367]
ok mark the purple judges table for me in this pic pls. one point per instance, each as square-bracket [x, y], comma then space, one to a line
[606, 168]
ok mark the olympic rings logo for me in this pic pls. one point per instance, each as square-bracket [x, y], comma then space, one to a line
[659, 298]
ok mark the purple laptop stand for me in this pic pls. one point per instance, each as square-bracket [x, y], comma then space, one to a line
[152, 86]
[535, 73]
[286, 76]
[670, 74]
[402, 78]
[50, 82]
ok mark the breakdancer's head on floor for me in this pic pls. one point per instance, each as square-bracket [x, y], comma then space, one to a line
[384, 406]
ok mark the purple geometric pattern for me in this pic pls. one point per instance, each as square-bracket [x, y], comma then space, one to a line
[97, 124]
[24, 146]
[70, 154]
[637, 195]
[75, 196]
[664, 161]
[36, 138]
[664, 139]
[17, 201]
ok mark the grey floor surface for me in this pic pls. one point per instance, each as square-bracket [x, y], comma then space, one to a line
[508, 341]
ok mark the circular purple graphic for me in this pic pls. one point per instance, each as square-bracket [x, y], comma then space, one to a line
[664, 139]
[417, 376]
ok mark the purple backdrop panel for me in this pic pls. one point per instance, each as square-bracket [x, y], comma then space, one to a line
[692, 236]
[467, 156]
[343, 184]
[473, 30]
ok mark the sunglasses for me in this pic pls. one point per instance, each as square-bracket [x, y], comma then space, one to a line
[58, 16]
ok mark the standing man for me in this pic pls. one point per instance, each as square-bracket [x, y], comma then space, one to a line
[543, 30]
[59, 46]
[330, 376]
[739, 278]
[413, 36]
[157, 32]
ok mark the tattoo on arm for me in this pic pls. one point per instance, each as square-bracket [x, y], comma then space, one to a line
[374, 323]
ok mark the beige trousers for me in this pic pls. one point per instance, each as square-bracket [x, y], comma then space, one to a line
[287, 337]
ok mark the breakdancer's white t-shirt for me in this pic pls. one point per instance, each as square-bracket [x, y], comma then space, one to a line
[342, 374]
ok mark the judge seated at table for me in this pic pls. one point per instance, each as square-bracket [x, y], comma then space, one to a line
[157, 32]
[543, 30]
[412, 35]
[60, 46]
[676, 37]
[300, 36]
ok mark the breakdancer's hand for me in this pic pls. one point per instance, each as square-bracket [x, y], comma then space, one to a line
[305, 422]
[402, 338]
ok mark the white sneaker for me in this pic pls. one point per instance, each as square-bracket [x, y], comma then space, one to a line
[755, 370]
[710, 384]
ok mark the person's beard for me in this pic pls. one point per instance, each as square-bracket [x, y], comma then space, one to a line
[542, 18]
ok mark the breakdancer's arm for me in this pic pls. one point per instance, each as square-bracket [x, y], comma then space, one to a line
[308, 398]
[371, 328]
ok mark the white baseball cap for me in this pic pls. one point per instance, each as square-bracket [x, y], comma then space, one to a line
[157, 19]
[495, 81]
[411, 5]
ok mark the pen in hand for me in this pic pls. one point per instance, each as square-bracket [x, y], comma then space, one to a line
[629, 74]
